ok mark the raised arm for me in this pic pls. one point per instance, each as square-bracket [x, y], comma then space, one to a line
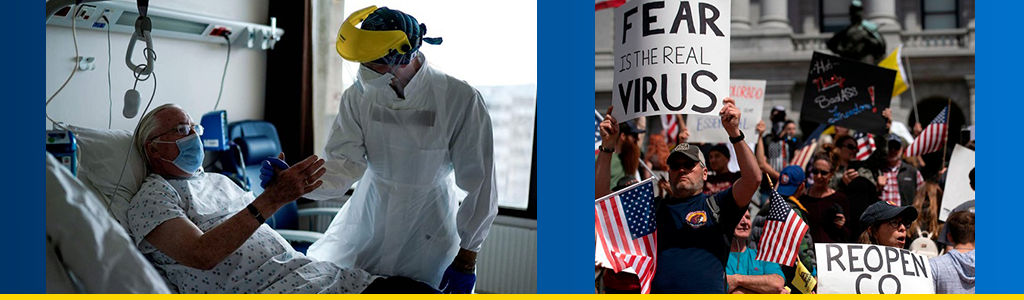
[183, 241]
[762, 161]
[602, 167]
[750, 173]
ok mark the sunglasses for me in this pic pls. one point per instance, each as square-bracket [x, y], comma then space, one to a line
[684, 165]
[850, 146]
[895, 222]
[819, 172]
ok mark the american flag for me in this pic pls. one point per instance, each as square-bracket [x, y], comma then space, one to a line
[933, 137]
[597, 131]
[803, 156]
[626, 230]
[783, 230]
[865, 145]
[603, 4]
[670, 127]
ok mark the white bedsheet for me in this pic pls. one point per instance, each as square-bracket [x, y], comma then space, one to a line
[91, 244]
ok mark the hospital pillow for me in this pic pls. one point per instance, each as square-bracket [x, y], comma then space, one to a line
[101, 157]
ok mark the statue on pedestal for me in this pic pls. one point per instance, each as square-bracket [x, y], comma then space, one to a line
[860, 41]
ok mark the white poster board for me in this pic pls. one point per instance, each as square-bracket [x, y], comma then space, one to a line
[749, 96]
[733, 162]
[871, 269]
[671, 57]
[958, 185]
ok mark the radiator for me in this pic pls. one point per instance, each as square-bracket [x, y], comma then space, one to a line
[319, 223]
[507, 263]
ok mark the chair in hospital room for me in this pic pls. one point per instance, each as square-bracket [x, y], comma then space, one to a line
[257, 141]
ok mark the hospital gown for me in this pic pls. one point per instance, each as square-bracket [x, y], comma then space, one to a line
[265, 263]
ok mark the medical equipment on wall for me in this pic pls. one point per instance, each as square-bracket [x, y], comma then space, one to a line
[63, 146]
[144, 23]
[215, 137]
[165, 23]
[143, 32]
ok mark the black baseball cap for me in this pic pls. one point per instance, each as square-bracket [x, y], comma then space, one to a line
[629, 127]
[689, 151]
[881, 211]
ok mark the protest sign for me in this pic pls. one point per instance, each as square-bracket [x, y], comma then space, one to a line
[671, 57]
[871, 269]
[749, 96]
[958, 185]
[847, 93]
[734, 163]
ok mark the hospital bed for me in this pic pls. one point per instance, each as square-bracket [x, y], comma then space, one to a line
[88, 247]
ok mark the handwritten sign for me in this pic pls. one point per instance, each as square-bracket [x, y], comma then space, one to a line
[749, 96]
[847, 93]
[871, 269]
[958, 185]
[671, 57]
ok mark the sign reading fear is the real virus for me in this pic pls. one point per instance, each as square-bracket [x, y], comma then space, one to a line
[671, 57]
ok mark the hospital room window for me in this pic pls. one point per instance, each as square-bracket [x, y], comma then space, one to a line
[494, 53]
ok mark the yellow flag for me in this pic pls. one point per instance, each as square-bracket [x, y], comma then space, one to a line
[829, 131]
[803, 280]
[895, 62]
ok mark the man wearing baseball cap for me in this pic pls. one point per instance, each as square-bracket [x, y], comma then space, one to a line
[718, 161]
[695, 230]
[899, 181]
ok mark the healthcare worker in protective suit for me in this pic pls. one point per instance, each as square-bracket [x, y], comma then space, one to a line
[402, 129]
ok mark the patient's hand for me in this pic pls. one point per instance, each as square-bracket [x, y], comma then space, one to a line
[302, 178]
[270, 167]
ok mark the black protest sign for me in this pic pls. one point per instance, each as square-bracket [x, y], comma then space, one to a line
[847, 93]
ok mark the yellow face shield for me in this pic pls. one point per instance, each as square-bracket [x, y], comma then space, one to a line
[361, 46]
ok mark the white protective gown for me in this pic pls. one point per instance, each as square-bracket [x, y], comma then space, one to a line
[401, 220]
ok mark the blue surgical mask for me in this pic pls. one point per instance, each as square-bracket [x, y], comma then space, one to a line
[190, 153]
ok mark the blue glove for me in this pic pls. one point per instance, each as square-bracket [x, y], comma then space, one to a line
[267, 169]
[457, 282]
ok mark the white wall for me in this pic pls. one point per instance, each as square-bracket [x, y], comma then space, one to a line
[188, 72]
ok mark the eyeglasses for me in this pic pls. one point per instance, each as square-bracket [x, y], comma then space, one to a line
[819, 172]
[895, 222]
[183, 129]
[685, 165]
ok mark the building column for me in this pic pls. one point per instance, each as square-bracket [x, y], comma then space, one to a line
[970, 87]
[774, 14]
[741, 14]
[883, 13]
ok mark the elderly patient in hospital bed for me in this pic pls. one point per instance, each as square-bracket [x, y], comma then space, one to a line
[206, 234]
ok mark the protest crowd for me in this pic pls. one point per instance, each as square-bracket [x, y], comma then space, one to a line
[698, 191]
[846, 186]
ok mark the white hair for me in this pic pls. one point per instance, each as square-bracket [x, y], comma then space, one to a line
[147, 124]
